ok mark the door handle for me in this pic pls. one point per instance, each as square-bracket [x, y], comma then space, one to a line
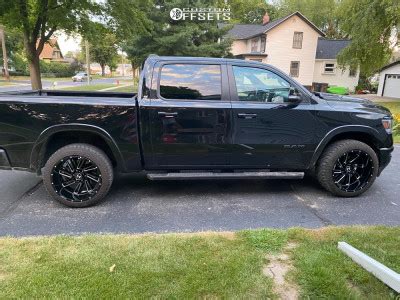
[247, 116]
[166, 114]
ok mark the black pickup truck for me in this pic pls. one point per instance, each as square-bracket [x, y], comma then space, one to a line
[194, 118]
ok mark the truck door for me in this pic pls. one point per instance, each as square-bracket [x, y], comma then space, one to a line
[190, 116]
[269, 130]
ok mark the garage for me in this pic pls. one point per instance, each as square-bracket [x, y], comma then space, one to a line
[391, 86]
[389, 80]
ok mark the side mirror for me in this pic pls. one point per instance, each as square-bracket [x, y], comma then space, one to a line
[294, 96]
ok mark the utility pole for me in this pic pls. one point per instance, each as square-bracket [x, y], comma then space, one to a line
[3, 46]
[87, 61]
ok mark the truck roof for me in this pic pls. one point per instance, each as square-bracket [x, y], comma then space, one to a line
[210, 59]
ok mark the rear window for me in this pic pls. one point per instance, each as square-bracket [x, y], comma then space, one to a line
[194, 82]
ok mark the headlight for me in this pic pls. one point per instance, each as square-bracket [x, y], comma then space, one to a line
[387, 124]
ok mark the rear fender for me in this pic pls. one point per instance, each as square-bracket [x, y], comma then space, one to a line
[40, 145]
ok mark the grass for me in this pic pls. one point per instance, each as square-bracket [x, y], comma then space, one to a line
[395, 109]
[90, 87]
[204, 265]
[5, 83]
[126, 89]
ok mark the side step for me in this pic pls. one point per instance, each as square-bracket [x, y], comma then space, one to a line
[233, 175]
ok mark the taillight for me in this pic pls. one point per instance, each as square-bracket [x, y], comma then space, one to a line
[387, 124]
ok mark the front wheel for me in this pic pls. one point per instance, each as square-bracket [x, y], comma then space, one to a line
[347, 168]
[78, 175]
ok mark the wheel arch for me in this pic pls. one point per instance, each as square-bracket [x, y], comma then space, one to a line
[365, 134]
[65, 134]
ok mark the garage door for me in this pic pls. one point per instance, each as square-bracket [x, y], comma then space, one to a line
[392, 86]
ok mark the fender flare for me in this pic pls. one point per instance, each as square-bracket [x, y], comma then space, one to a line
[39, 147]
[339, 130]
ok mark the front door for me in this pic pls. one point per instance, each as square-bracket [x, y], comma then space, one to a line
[269, 130]
[191, 117]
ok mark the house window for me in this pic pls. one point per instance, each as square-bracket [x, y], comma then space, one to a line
[329, 68]
[294, 68]
[298, 40]
[254, 45]
[352, 72]
[263, 42]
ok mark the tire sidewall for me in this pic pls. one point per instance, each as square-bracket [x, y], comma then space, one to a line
[92, 153]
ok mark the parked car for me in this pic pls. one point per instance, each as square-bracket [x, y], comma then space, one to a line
[194, 118]
[81, 77]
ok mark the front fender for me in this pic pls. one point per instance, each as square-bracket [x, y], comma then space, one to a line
[348, 129]
[39, 148]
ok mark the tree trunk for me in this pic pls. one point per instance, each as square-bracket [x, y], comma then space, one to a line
[34, 69]
[103, 70]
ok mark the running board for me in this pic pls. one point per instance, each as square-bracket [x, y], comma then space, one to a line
[235, 175]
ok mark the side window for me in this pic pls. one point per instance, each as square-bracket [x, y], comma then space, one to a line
[191, 81]
[259, 85]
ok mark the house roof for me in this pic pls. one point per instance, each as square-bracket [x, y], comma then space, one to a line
[390, 65]
[48, 48]
[329, 49]
[245, 31]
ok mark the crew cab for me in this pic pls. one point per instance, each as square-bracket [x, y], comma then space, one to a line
[194, 118]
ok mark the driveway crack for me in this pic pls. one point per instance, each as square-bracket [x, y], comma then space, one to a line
[314, 211]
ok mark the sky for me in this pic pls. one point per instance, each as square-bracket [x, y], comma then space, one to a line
[67, 43]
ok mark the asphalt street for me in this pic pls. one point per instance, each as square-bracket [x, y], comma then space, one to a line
[137, 205]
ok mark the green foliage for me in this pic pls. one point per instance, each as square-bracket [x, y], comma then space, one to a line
[370, 25]
[167, 37]
[323, 13]
[103, 46]
[250, 12]
[55, 69]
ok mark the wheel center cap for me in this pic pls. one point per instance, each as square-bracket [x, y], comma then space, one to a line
[78, 176]
[348, 169]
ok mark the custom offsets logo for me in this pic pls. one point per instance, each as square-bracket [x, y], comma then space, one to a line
[200, 14]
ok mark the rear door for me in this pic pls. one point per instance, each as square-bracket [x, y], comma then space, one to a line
[190, 116]
[268, 130]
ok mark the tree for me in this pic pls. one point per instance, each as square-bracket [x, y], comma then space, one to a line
[250, 12]
[323, 13]
[39, 19]
[14, 46]
[103, 46]
[164, 36]
[372, 26]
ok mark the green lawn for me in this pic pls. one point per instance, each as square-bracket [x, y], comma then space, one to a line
[5, 83]
[395, 109]
[204, 265]
[127, 89]
[90, 87]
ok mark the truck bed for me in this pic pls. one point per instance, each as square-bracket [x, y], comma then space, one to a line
[31, 118]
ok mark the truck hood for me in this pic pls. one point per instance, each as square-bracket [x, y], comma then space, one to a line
[340, 101]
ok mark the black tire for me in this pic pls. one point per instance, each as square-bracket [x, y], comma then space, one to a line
[83, 164]
[354, 160]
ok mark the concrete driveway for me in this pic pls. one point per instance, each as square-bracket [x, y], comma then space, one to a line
[137, 205]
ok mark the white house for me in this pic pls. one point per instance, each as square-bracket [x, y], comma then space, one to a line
[389, 80]
[296, 46]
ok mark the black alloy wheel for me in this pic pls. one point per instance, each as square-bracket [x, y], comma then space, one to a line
[352, 171]
[76, 178]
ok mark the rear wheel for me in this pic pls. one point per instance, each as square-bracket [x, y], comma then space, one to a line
[347, 168]
[78, 175]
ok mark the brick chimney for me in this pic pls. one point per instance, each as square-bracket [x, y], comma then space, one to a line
[265, 19]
